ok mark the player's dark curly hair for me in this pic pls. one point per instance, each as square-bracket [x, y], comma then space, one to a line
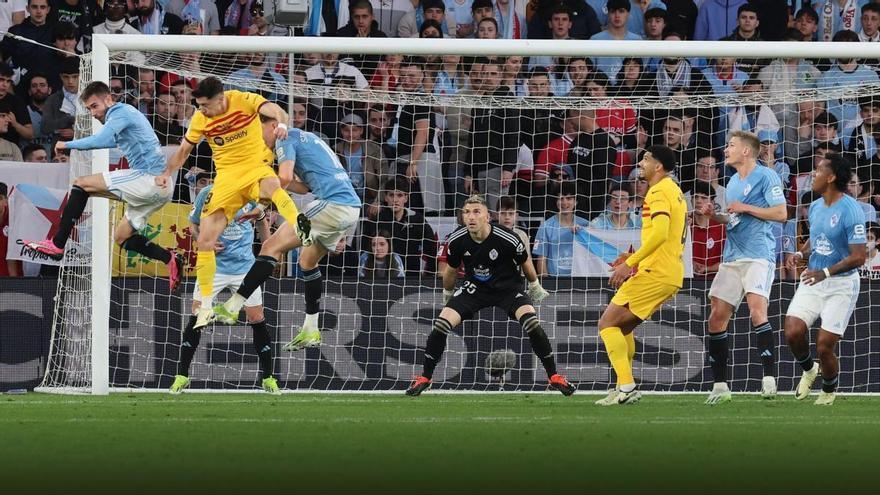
[842, 169]
[208, 87]
[664, 155]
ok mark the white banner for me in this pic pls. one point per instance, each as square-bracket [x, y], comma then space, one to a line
[34, 214]
[595, 250]
[55, 175]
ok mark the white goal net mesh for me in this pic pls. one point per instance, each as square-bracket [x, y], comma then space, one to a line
[416, 137]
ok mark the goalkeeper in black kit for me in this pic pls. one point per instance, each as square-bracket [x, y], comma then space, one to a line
[492, 257]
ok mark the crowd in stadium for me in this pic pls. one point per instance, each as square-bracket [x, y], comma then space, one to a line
[557, 170]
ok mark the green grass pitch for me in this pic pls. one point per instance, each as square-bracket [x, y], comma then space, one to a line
[437, 443]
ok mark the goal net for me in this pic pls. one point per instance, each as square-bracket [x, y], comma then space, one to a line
[417, 135]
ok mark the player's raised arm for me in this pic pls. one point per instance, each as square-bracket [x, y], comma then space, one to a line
[175, 161]
[272, 110]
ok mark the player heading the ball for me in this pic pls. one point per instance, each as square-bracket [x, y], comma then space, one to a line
[829, 287]
[492, 257]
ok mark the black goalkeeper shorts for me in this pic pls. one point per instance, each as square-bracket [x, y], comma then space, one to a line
[470, 299]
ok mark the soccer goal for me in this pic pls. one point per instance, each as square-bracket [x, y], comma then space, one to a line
[116, 327]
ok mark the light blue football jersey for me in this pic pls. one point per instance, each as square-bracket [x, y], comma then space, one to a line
[317, 165]
[832, 230]
[750, 237]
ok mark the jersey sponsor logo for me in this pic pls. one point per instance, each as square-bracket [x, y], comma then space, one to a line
[218, 141]
[834, 219]
[279, 151]
[482, 273]
[823, 245]
[493, 255]
[859, 230]
[776, 191]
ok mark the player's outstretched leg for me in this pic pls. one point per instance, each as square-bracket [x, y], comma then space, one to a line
[718, 351]
[76, 204]
[259, 272]
[310, 335]
[825, 345]
[543, 349]
[796, 336]
[188, 346]
[434, 348]
[130, 240]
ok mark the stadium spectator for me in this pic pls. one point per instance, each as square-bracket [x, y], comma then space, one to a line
[583, 22]
[678, 74]
[846, 72]
[183, 97]
[559, 25]
[511, 24]
[9, 151]
[512, 76]
[26, 57]
[411, 22]
[362, 24]
[115, 19]
[270, 84]
[414, 239]
[508, 217]
[655, 23]
[806, 21]
[786, 75]
[38, 91]
[34, 153]
[617, 213]
[799, 138]
[617, 29]
[747, 30]
[682, 14]
[12, 12]
[459, 18]
[8, 268]
[858, 140]
[13, 109]
[61, 156]
[198, 16]
[567, 78]
[487, 29]
[380, 262]
[716, 19]
[450, 77]
[82, 14]
[329, 71]
[707, 235]
[591, 155]
[60, 109]
[362, 158]
[674, 136]
[619, 120]
[871, 269]
[637, 192]
[146, 90]
[150, 17]
[857, 187]
[554, 242]
[723, 76]
[750, 117]
[538, 125]
[767, 156]
[494, 142]
[843, 15]
[631, 80]
[708, 171]
[165, 122]
[870, 31]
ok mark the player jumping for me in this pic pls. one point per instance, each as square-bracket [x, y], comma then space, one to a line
[754, 200]
[229, 120]
[336, 209]
[829, 287]
[235, 255]
[660, 271]
[127, 128]
[492, 256]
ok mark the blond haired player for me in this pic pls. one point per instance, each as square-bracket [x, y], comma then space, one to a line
[660, 271]
[229, 121]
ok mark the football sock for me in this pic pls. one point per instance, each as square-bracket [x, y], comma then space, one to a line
[260, 271]
[829, 385]
[805, 361]
[76, 204]
[435, 346]
[540, 343]
[206, 268]
[718, 356]
[188, 346]
[766, 347]
[630, 347]
[141, 245]
[286, 207]
[312, 294]
[617, 349]
[263, 346]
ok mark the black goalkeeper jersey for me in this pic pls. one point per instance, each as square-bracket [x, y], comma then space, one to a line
[492, 264]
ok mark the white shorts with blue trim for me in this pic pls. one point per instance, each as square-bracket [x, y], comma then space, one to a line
[737, 278]
[833, 300]
[330, 221]
[232, 282]
[138, 190]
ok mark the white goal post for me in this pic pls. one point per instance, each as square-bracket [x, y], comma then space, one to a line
[105, 45]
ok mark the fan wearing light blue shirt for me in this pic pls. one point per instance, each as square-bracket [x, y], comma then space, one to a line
[124, 127]
[846, 73]
[829, 288]
[754, 200]
[618, 16]
[554, 242]
[308, 164]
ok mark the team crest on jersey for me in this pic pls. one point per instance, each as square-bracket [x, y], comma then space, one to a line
[218, 141]
[710, 243]
[493, 255]
[834, 220]
[747, 189]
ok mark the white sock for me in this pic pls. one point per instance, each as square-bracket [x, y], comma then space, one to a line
[629, 387]
[311, 321]
[720, 387]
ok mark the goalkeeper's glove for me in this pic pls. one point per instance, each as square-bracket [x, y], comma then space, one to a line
[447, 295]
[536, 292]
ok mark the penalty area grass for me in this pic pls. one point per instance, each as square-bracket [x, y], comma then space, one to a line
[436, 443]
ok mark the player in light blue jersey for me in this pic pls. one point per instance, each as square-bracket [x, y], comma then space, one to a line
[310, 165]
[235, 256]
[829, 287]
[127, 128]
[754, 200]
